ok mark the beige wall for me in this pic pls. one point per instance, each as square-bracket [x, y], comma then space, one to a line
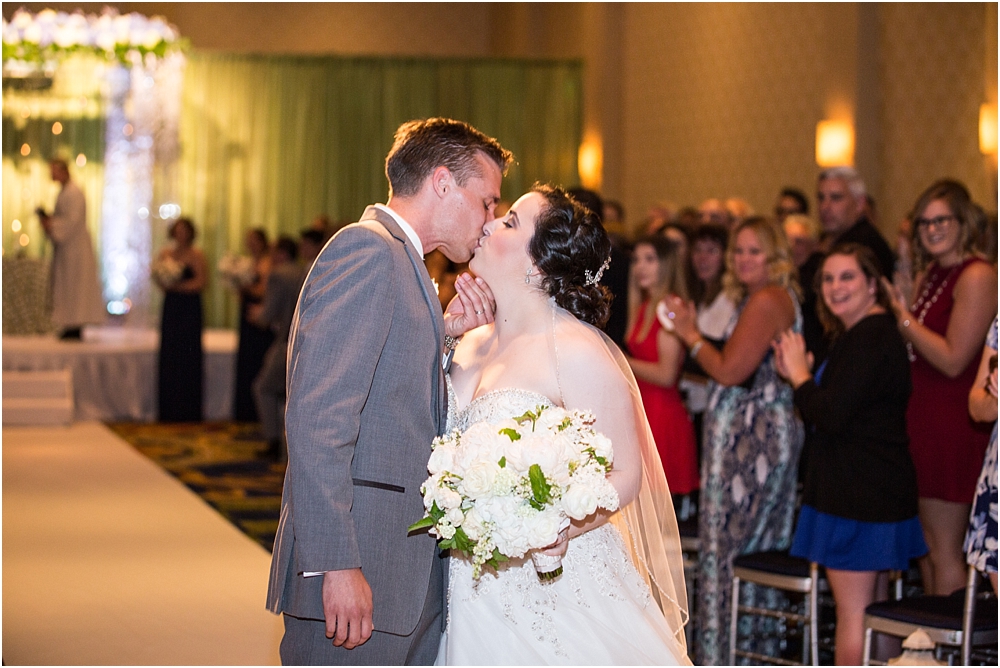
[692, 100]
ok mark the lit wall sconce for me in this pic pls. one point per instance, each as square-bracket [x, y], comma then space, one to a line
[834, 144]
[988, 129]
[590, 162]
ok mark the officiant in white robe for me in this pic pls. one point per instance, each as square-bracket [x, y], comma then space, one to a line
[75, 290]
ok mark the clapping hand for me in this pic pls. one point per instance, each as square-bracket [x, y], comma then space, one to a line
[791, 360]
[472, 307]
[679, 317]
[897, 301]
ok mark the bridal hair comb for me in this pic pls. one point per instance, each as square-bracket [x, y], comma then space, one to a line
[592, 279]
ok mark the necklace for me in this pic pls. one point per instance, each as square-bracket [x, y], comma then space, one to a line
[924, 304]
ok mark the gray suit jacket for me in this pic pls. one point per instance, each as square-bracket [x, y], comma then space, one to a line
[366, 397]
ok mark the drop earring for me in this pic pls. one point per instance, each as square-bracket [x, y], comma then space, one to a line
[527, 276]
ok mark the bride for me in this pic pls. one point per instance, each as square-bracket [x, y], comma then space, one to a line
[621, 598]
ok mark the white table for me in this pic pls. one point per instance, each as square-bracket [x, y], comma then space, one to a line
[115, 370]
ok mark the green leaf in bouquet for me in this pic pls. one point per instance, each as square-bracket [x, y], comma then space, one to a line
[511, 434]
[502, 463]
[530, 416]
[496, 559]
[430, 519]
[565, 424]
[462, 541]
[540, 488]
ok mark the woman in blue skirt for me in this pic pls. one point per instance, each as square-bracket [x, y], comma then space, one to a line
[859, 504]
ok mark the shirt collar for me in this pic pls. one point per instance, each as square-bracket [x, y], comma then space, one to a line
[405, 226]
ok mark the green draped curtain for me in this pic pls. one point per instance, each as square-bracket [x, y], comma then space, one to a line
[272, 142]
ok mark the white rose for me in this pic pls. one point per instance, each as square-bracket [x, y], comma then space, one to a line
[551, 418]
[473, 525]
[442, 458]
[543, 528]
[602, 447]
[455, 517]
[33, 33]
[579, 501]
[514, 454]
[478, 479]
[150, 37]
[448, 498]
[540, 451]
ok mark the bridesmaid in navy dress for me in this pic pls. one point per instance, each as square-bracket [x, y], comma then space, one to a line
[181, 363]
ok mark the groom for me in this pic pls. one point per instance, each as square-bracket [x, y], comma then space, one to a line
[366, 396]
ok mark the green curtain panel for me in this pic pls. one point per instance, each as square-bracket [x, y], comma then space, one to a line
[273, 142]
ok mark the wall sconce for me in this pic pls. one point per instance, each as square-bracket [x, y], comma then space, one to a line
[590, 162]
[988, 129]
[834, 144]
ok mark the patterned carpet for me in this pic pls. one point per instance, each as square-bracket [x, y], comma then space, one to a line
[223, 462]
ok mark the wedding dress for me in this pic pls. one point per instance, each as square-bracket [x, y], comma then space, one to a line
[600, 611]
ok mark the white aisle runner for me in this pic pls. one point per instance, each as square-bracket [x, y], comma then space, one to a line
[108, 559]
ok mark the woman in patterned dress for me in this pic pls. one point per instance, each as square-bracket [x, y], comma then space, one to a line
[945, 328]
[752, 438]
[981, 540]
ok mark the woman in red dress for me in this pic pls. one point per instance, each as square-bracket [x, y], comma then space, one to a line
[655, 356]
[945, 324]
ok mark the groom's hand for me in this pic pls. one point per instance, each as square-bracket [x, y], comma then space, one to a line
[347, 604]
[472, 307]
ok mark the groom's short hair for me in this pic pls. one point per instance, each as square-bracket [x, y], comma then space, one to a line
[420, 147]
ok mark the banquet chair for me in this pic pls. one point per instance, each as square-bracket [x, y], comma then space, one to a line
[779, 570]
[960, 621]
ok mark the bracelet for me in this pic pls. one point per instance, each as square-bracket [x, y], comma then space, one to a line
[696, 348]
[450, 342]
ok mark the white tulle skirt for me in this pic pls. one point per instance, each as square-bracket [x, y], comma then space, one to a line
[599, 612]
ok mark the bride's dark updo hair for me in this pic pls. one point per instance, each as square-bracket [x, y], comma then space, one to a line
[569, 247]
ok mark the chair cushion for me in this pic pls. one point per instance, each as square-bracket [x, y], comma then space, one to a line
[778, 562]
[939, 612]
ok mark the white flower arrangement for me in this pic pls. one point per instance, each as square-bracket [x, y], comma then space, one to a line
[167, 271]
[42, 37]
[238, 271]
[502, 489]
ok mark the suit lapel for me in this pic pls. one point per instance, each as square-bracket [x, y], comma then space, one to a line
[439, 398]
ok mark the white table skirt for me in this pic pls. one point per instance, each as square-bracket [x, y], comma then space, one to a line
[115, 370]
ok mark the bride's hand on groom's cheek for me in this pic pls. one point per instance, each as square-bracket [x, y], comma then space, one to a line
[473, 306]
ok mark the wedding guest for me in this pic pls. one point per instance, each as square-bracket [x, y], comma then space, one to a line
[656, 357]
[791, 201]
[679, 235]
[739, 210]
[803, 236]
[181, 363]
[945, 327]
[752, 437]
[859, 500]
[714, 212]
[310, 244]
[981, 539]
[254, 339]
[74, 285]
[841, 198]
[715, 311]
[275, 313]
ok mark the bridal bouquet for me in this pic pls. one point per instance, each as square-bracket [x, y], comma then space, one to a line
[167, 270]
[501, 489]
[238, 271]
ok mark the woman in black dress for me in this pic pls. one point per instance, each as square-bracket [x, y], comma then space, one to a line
[254, 340]
[181, 363]
[859, 501]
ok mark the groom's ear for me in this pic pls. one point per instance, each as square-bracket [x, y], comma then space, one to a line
[442, 181]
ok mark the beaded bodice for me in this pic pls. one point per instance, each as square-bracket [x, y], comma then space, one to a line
[493, 406]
